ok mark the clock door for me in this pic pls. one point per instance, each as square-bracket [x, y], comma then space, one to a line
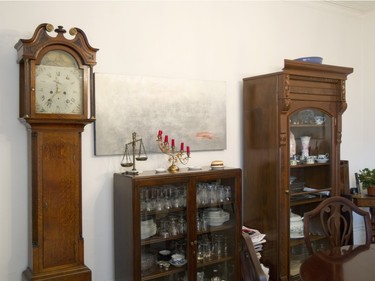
[56, 204]
[61, 198]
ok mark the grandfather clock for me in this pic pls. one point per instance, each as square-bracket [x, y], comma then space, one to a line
[56, 102]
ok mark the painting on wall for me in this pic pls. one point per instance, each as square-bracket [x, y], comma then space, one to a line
[189, 111]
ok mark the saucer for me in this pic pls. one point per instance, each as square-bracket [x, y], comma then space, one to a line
[178, 263]
[217, 167]
[194, 168]
[160, 170]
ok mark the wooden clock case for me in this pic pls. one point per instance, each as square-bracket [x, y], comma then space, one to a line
[56, 245]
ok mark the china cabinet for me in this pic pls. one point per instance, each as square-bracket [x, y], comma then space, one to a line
[178, 226]
[291, 157]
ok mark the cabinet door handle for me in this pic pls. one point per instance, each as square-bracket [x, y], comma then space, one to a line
[192, 243]
[287, 191]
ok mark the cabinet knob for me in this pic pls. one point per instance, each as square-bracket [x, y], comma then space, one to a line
[287, 191]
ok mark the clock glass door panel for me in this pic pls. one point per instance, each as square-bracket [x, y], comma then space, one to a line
[310, 147]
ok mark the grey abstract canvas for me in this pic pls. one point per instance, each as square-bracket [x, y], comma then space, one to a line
[189, 111]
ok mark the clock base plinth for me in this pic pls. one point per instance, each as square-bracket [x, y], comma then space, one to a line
[78, 273]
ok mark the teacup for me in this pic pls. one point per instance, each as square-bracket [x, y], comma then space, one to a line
[293, 162]
[323, 156]
[319, 120]
[310, 160]
[178, 258]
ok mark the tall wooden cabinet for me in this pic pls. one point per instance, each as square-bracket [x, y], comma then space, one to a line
[196, 213]
[282, 138]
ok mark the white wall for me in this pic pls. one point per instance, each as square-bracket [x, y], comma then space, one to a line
[225, 40]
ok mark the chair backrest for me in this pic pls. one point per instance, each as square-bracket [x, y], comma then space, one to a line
[251, 269]
[333, 219]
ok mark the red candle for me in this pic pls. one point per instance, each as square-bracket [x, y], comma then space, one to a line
[182, 147]
[188, 150]
[160, 133]
[166, 139]
[172, 143]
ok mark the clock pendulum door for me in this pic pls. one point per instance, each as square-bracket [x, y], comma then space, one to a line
[57, 242]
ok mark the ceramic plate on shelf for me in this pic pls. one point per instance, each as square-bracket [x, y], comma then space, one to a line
[306, 116]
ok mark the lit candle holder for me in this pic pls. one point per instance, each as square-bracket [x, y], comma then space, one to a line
[174, 156]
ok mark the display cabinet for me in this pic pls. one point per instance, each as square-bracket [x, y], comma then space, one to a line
[291, 155]
[178, 226]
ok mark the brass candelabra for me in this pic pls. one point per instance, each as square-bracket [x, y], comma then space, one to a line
[174, 155]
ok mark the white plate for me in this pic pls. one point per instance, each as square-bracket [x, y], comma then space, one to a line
[322, 160]
[296, 236]
[214, 223]
[160, 170]
[193, 168]
[182, 263]
[217, 167]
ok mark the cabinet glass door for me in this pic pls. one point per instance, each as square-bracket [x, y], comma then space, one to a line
[310, 147]
[163, 232]
[216, 230]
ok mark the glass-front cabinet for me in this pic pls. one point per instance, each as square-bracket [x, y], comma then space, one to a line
[292, 122]
[178, 226]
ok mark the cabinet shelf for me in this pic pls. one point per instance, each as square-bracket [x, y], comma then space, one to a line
[158, 273]
[224, 226]
[216, 205]
[215, 261]
[159, 239]
[306, 201]
[162, 212]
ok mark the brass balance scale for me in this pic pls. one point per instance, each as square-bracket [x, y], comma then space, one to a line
[129, 160]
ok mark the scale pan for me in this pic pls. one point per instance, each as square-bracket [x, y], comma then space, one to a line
[126, 164]
[141, 158]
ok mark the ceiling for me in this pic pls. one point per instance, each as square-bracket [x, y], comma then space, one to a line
[361, 6]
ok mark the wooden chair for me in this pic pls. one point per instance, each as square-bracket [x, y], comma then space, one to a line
[333, 219]
[251, 269]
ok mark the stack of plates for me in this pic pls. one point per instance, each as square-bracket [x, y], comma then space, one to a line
[216, 216]
[148, 228]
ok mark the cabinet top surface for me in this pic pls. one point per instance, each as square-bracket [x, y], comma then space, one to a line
[311, 69]
[206, 170]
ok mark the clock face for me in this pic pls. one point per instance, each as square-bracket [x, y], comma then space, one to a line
[58, 84]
